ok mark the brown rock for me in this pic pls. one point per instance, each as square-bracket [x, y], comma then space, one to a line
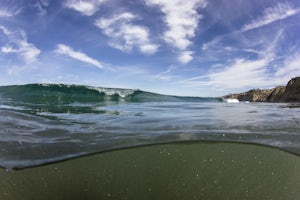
[289, 93]
[276, 94]
[292, 91]
[256, 95]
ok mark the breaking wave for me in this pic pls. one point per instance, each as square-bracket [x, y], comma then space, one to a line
[66, 94]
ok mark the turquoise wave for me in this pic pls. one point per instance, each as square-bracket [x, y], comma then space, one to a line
[53, 94]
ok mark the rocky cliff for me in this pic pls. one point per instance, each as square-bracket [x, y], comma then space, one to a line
[288, 93]
[292, 91]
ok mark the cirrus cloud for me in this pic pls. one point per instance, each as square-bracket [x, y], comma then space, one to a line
[17, 43]
[66, 50]
[9, 11]
[272, 14]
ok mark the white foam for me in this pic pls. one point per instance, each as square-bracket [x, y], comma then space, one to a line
[112, 91]
[232, 101]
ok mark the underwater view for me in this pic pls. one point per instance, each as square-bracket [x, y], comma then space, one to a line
[144, 145]
[149, 99]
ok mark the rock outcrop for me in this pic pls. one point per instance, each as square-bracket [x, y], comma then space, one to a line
[288, 93]
[276, 94]
[255, 95]
[292, 91]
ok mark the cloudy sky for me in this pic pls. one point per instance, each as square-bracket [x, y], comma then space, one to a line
[179, 47]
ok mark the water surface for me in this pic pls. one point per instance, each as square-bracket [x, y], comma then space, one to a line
[47, 123]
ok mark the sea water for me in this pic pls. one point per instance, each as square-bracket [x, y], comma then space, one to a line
[198, 145]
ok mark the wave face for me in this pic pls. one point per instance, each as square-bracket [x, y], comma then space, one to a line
[47, 123]
[65, 94]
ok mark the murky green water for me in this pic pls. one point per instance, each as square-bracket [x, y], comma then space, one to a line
[226, 171]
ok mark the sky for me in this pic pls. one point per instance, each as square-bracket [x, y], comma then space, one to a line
[176, 47]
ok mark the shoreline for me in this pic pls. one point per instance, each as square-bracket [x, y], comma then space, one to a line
[280, 94]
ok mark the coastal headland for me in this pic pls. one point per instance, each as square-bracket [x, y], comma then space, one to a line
[288, 93]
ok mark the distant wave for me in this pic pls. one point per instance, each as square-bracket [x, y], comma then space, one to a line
[66, 94]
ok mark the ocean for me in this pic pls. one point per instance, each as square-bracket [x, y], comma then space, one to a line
[109, 143]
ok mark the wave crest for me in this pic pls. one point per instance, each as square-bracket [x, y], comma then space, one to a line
[66, 94]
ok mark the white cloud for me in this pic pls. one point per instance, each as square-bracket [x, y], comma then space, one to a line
[148, 48]
[86, 7]
[42, 6]
[66, 50]
[246, 72]
[182, 19]
[17, 43]
[125, 35]
[9, 10]
[241, 74]
[272, 14]
[5, 30]
[28, 51]
[254, 73]
[185, 57]
[5, 13]
[290, 68]
[254, 51]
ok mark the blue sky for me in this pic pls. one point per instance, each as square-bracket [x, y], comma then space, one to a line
[179, 47]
